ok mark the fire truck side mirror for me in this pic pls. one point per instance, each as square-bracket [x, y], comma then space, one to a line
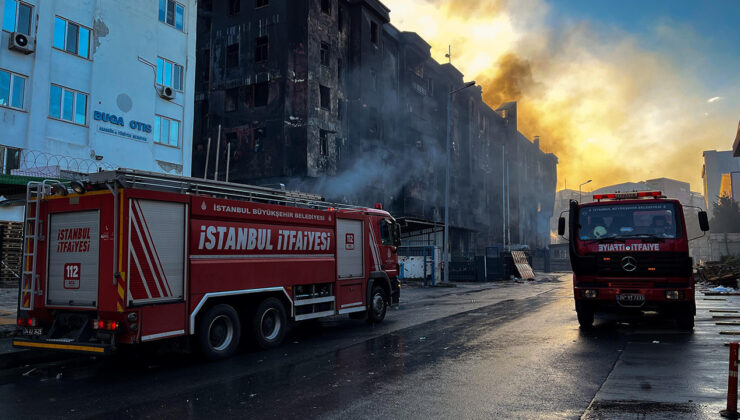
[396, 234]
[703, 221]
[561, 226]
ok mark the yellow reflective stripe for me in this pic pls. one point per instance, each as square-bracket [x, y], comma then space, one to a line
[58, 346]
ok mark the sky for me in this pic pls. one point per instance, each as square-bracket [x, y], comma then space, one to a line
[621, 91]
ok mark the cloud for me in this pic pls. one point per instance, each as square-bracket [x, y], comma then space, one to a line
[611, 109]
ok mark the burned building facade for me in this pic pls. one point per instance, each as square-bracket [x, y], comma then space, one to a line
[327, 96]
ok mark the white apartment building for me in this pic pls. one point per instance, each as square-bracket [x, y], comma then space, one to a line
[103, 81]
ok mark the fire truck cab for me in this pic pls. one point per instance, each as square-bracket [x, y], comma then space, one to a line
[129, 257]
[629, 253]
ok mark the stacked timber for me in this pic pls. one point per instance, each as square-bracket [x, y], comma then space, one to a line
[11, 253]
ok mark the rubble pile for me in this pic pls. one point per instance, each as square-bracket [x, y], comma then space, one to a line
[724, 273]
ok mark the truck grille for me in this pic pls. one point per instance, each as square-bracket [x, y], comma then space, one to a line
[664, 264]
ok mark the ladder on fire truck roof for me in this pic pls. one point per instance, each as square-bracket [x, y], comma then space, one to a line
[131, 178]
[32, 231]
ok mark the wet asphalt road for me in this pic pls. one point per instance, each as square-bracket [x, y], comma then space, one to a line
[518, 358]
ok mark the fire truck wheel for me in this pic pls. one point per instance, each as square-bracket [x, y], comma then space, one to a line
[269, 323]
[378, 305]
[685, 321]
[585, 318]
[218, 332]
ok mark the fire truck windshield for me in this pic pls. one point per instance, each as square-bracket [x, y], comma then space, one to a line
[641, 220]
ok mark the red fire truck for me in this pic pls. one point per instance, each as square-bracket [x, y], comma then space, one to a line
[130, 257]
[630, 254]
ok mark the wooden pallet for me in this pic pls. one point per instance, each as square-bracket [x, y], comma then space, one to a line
[522, 265]
[11, 253]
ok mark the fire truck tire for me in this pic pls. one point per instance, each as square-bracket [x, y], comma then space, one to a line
[685, 321]
[585, 317]
[269, 323]
[219, 332]
[378, 305]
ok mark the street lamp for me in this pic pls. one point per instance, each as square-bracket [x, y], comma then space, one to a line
[446, 242]
[579, 189]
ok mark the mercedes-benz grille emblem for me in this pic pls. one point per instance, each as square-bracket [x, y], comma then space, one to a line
[629, 264]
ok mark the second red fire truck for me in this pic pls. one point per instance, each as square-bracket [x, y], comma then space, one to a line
[630, 253]
[132, 257]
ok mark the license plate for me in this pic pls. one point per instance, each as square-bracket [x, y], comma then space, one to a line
[631, 298]
[33, 331]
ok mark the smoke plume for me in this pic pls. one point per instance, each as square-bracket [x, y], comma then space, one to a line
[611, 109]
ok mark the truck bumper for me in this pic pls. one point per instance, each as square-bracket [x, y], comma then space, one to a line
[608, 300]
[62, 345]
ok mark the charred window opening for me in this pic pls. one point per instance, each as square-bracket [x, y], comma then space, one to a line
[259, 139]
[235, 7]
[340, 106]
[206, 5]
[230, 100]
[205, 65]
[340, 71]
[325, 54]
[232, 56]
[261, 93]
[325, 96]
[340, 20]
[261, 49]
[338, 142]
[374, 33]
[374, 80]
[326, 6]
[373, 129]
[261, 3]
[324, 142]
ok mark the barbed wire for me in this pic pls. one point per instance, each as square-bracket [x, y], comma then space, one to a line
[44, 164]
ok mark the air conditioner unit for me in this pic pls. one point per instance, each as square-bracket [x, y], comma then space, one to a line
[167, 92]
[22, 43]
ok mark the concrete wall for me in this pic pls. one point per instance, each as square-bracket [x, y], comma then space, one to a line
[119, 78]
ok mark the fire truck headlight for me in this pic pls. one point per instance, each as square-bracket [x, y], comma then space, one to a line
[132, 317]
[78, 187]
[59, 188]
[590, 294]
[672, 295]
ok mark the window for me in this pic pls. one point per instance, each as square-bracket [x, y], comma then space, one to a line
[261, 49]
[12, 89]
[171, 13]
[17, 17]
[234, 7]
[325, 54]
[340, 75]
[325, 97]
[10, 158]
[340, 106]
[231, 99]
[68, 105]
[232, 56]
[261, 3]
[169, 74]
[259, 140]
[323, 142]
[326, 6]
[166, 131]
[71, 37]
[385, 232]
[374, 80]
[374, 33]
[261, 93]
[205, 65]
[340, 20]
